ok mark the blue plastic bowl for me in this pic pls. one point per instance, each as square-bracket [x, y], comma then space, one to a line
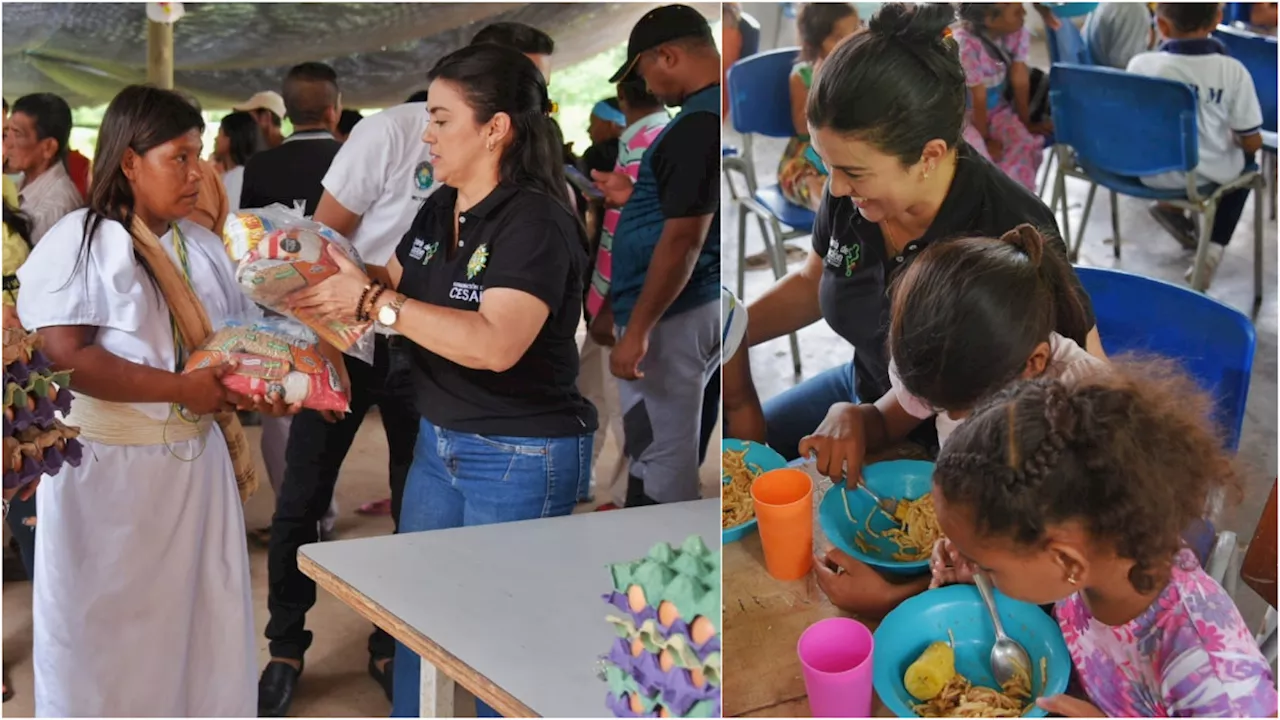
[757, 454]
[924, 619]
[897, 479]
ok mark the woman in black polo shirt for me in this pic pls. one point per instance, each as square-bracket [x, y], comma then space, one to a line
[488, 283]
[885, 114]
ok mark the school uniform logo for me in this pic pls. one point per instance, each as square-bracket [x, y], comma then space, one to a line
[424, 176]
[478, 260]
[423, 251]
[844, 258]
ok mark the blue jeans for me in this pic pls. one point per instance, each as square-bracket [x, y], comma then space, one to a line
[461, 479]
[796, 413]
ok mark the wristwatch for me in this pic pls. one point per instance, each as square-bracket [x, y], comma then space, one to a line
[389, 314]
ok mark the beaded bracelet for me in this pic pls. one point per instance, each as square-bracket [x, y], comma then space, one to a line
[360, 305]
[373, 301]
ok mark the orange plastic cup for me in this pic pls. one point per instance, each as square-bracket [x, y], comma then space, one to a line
[784, 514]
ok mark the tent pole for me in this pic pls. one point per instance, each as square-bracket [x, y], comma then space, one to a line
[160, 54]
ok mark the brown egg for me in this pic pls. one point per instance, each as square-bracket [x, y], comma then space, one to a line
[637, 647]
[666, 661]
[697, 677]
[667, 613]
[701, 630]
[663, 712]
[635, 598]
[637, 707]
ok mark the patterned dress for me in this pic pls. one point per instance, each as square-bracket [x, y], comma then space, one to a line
[1188, 655]
[1023, 150]
[797, 161]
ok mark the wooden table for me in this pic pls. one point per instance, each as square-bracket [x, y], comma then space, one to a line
[512, 612]
[764, 617]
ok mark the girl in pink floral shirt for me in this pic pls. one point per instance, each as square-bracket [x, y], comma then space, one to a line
[1075, 494]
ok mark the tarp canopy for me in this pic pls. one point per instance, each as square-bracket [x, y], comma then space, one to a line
[225, 52]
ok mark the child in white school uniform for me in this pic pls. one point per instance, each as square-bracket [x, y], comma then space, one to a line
[1229, 117]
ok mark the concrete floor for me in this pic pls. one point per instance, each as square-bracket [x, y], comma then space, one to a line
[1148, 250]
[336, 682]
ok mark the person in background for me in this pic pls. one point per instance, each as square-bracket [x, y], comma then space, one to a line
[291, 174]
[488, 286]
[347, 123]
[606, 126]
[1116, 32]
[731, 48]
[666, 261]
[1263, 16]
[1075, 493]
[1229, 118]
[645, 118]
[35, 144]
[239, 138]
[994, 43]
[821, 27]
[164, 628]
[268, 109]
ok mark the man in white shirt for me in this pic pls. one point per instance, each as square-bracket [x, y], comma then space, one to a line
[1229, 117]
[35, 144]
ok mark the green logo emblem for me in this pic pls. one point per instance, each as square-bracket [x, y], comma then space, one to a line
[851, 257]
[476, 264]
[430, 252]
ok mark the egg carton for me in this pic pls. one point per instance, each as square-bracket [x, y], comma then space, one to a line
[627, 697]
[670, 585]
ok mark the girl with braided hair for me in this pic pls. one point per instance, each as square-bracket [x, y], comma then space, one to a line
[1075, 493]
[968, 317]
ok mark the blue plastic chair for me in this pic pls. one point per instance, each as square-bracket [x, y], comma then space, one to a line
[1214, 342]
[1258, 53]
[749, 28]
[1065, 45]
[1122, 126]
[1235, 12]
[759, 104]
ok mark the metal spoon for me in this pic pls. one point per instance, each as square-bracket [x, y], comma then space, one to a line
[1008, 658]
[884, 506]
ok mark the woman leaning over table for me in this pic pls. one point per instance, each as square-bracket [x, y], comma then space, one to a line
[488, 284]
[143, 606]
[885, 115]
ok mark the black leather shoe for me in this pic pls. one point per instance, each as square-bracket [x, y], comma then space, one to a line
[384, 676]
[275, 689]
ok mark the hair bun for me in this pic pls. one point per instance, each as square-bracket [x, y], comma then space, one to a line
[914, 24]
[1027, 239]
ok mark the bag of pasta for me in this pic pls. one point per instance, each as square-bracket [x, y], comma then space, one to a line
[280, 253]
[275, 356]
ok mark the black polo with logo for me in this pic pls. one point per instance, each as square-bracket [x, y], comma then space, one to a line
[857, 269]
[515, 238]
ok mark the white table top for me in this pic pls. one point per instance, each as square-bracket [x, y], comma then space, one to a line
[520, 603]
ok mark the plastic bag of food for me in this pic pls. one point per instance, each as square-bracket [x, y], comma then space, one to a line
[275, 355]
[280, 253]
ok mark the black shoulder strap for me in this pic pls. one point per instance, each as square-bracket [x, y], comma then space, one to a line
[996, 49]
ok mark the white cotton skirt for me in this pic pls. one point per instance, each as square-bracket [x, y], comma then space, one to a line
[142, 605]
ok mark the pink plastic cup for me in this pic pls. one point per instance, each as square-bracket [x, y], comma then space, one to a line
[836, 657]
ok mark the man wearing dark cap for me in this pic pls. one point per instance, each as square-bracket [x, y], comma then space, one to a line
[666, 260]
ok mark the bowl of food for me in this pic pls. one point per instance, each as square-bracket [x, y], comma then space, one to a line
[741, 462]
[902, 545]
[933, 656]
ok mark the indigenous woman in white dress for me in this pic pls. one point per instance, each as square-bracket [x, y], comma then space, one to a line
[143, 606]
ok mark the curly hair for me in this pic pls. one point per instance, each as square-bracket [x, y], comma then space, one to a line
[1132, 453]
[967, 313]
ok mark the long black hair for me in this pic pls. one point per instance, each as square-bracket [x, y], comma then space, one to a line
[897, 85]
[244, 136]
[496, 79]
[140, 118]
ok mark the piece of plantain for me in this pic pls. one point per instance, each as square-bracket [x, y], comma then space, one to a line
[931, 672]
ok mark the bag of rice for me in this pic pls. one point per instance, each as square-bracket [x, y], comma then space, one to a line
[275, 355]
[280, 253]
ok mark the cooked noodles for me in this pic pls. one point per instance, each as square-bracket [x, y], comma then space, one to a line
[736, 506]
[915, 535]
